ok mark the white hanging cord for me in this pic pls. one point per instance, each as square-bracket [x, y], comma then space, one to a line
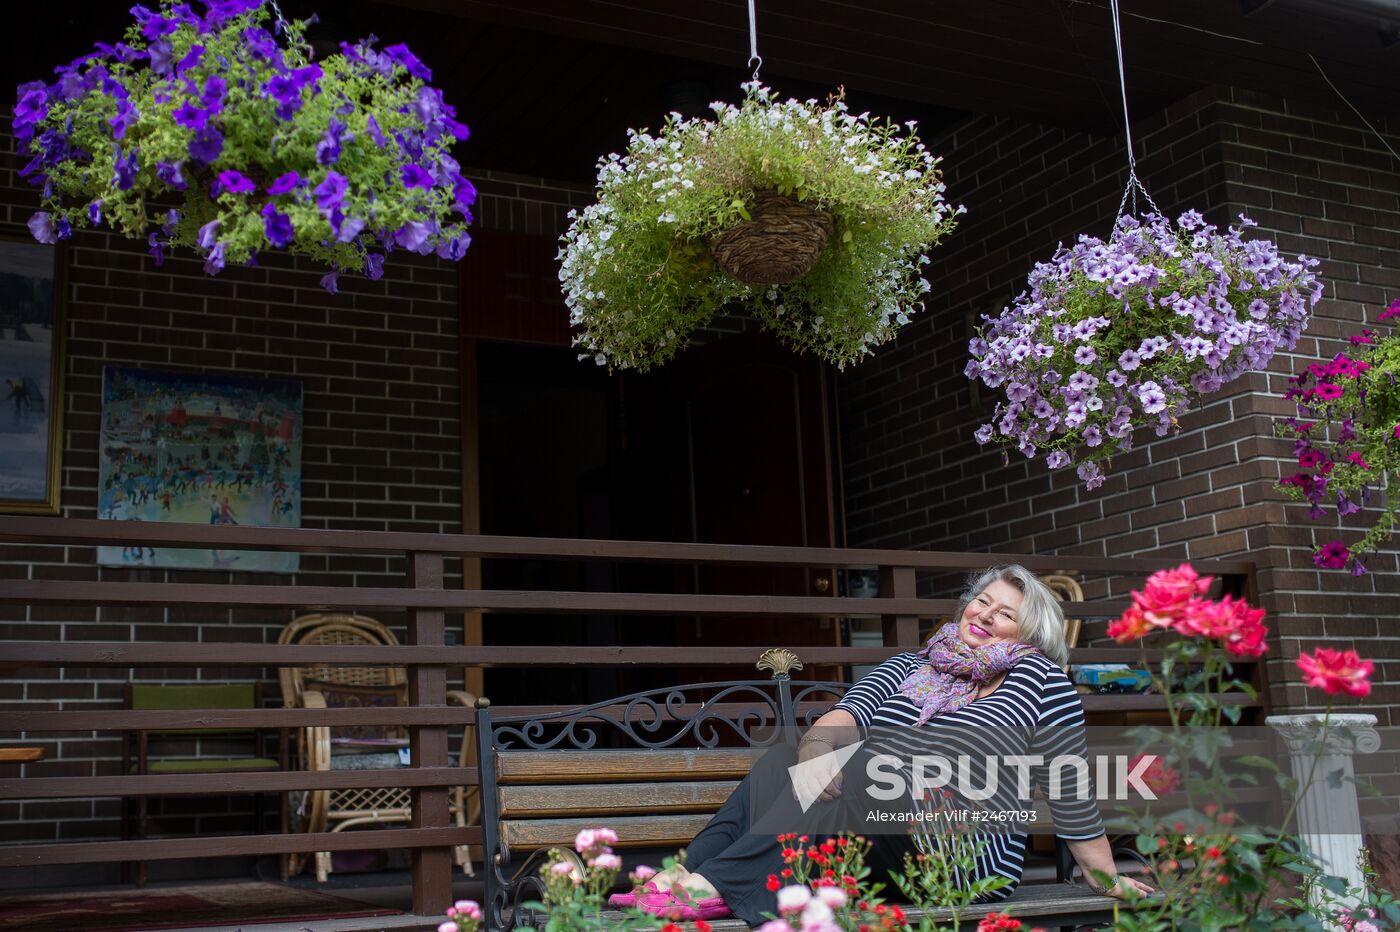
[1344, 100]
[754, 58]
[281, 21]
[1134, 185]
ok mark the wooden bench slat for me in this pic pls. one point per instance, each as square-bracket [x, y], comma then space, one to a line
[610, 799]
[622, 766]
[665, 831]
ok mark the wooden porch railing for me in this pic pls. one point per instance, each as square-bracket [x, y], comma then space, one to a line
[426, 655]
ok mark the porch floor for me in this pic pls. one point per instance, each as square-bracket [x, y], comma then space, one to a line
[382, 889]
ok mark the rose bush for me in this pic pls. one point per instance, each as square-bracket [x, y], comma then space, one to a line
[1214, 871]
[218, 133]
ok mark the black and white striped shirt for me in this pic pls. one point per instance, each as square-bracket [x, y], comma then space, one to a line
[1035, 711]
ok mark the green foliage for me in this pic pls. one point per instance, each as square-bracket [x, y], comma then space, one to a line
[216, 106]
[637, 272]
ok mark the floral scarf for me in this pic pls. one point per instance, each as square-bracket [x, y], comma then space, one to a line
[953, 671]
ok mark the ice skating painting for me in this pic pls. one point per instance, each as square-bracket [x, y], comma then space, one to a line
[31, 374]
[200, 449]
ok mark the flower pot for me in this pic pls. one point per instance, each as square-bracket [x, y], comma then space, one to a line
[778, 244]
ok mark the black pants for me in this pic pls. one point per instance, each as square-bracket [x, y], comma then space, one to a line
[738, 849]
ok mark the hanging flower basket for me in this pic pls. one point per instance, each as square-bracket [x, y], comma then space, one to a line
[220, 134]
[1116, 335]
[1347, 440]
[815, 219]
[779, 244]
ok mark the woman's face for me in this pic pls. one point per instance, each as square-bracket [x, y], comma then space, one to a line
[992, 615]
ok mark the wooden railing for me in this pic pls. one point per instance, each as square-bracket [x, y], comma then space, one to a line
[427, 656]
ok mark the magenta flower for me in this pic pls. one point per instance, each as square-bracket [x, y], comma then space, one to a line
[411, 62]
[284, 183]
[169, 172]
[415, 177]
[1333, 555]
[277, 226]
[214, 262]
[190, 116]
[42, 226]
[413, 236]
[1328, 392]
[331, 192]
[232, 181]
[206, 145]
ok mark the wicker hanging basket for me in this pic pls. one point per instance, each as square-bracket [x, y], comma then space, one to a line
[779, 244]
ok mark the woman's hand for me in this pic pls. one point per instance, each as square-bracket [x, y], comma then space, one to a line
[1121, 886]
[1095, 859]
[1125, 883]
[822, 780]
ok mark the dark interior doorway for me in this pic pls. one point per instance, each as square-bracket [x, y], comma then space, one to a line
[559, 457]
[729, 444]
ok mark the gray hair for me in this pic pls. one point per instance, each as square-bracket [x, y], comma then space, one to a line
[1040, 622]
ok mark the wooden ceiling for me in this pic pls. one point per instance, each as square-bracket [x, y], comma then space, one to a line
[549, 85]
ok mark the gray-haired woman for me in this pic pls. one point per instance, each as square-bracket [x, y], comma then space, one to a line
[995, 667]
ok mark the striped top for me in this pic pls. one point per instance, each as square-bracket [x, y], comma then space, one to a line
[1035, 711]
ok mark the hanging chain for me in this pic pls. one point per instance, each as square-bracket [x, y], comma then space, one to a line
[281, 20]
[754, 58]
[1134, 186]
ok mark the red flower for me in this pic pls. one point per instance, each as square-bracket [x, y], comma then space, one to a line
[1232, 621]
[995, 922]
[1158, 777]
[1132, 625]
[773, 883]
[1336, 671]
[1167, 593]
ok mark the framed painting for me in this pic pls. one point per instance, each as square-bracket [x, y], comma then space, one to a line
[31, 365]
[193, 448]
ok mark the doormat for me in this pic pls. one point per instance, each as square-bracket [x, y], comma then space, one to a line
[229, 905]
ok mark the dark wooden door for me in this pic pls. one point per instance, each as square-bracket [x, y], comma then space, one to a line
[757, 470]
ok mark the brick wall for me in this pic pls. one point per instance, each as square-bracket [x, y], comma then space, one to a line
[381, 451]
[914, 477]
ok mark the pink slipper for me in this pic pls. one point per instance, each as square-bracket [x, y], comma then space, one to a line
[624, 900]
[668, 906]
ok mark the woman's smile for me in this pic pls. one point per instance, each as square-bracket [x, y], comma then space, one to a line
[992, 616]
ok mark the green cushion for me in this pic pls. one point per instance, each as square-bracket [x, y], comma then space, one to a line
[210, 696]
[210, 765]
[199, 696]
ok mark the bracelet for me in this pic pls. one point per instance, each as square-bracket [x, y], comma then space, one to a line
[813, 737]
[1101, 890]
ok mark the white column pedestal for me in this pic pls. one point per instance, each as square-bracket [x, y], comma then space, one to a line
[1328, 817]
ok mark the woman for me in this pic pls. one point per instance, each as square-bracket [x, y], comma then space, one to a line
[996, 669]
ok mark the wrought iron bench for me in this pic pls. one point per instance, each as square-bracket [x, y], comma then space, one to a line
[544, 777]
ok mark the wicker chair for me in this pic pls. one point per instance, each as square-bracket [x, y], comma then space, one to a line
[339, 809]
[1066, 589]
